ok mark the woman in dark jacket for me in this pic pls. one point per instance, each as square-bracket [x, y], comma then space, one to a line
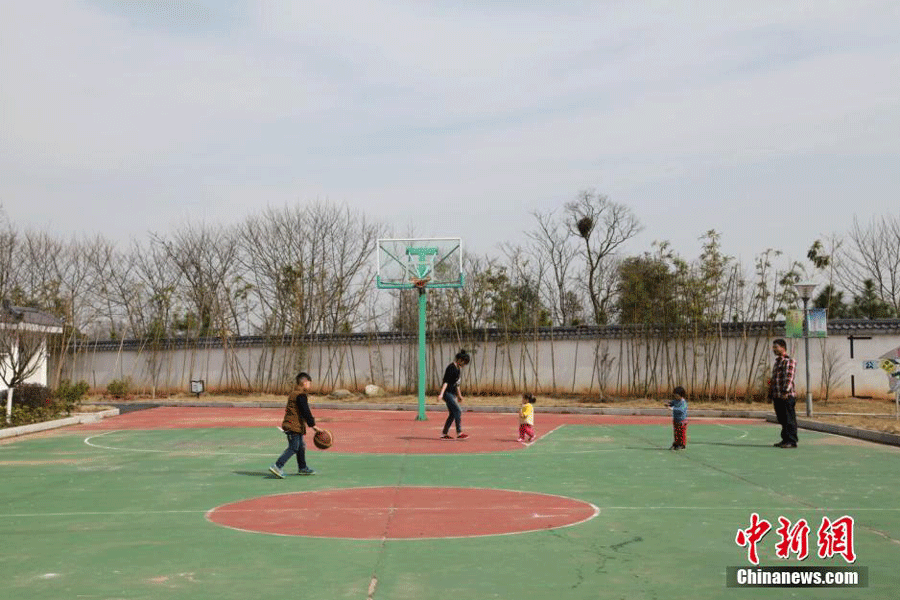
[452, 397]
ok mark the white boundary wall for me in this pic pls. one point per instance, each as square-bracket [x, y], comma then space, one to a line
[599, 362]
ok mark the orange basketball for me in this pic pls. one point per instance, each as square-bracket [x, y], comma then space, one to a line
[323, 439]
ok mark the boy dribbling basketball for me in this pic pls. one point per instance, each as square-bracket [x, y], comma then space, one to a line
[297, 417]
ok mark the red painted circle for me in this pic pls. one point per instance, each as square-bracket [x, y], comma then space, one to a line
[402, 513]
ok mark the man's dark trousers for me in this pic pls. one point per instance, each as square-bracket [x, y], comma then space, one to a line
[787, 418]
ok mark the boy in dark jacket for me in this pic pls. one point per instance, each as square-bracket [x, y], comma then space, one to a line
[296, 417]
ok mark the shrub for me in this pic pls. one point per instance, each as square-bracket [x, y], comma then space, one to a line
[32, 395]
[118, 388]
[70, 395]
[26, 415]
[34, 403]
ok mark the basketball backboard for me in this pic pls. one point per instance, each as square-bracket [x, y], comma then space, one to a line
[419, 262]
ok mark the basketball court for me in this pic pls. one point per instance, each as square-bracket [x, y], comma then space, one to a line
[179, 503]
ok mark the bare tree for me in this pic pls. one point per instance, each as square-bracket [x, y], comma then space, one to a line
[553, 240]
[203, 256]
[310, 267]
[156, 280]
[603, 226]
[309, 271]
[268, 255]
[872, 254]
[149, 292]
[833, 368]
[9, 266]
[117, 292]
[39, 287]
[54, 277]
[465, 309]
[342, 244]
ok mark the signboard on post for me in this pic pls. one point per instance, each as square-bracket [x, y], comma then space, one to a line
[793, 324]
[817, 323]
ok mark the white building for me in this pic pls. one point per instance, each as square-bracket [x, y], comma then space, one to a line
[24, 333]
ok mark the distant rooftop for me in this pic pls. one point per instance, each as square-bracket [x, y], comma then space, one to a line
[32, 316]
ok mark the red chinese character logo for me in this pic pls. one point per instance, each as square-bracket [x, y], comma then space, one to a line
[793, 539]
[752, 535]
[836, 537]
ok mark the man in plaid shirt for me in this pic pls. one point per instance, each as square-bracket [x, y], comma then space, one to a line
[781, 391]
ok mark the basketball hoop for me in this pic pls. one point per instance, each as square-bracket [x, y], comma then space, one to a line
[423, 263]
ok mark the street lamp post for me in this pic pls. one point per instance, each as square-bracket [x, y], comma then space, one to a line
[805, 291]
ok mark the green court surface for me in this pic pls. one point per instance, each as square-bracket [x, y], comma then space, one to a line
[123, 514]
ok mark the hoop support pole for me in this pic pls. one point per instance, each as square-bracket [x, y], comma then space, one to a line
[422, 305]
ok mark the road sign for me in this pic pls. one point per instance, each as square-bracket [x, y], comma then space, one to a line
[891, 366]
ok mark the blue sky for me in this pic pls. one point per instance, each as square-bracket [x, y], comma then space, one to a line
[773, 122]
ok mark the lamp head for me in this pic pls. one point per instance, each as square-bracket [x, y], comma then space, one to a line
[805, 290]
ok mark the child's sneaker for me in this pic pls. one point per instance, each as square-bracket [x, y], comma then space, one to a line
[276, 471]
[462, 436]
[521, 439]
[446, 436]
[306, 471]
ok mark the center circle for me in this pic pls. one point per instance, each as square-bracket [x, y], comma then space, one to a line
[405, 512]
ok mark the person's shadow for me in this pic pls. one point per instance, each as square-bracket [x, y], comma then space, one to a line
[731, 444]
[666, 449]
[262, 474]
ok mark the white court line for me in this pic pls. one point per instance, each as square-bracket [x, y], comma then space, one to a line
[746, 432]
[453, 455]
[595, 513]
[594, 451]
[535, 440]
[432, 508]
[88, 441]
[107, 513]
[393, 509]
[549, 432]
